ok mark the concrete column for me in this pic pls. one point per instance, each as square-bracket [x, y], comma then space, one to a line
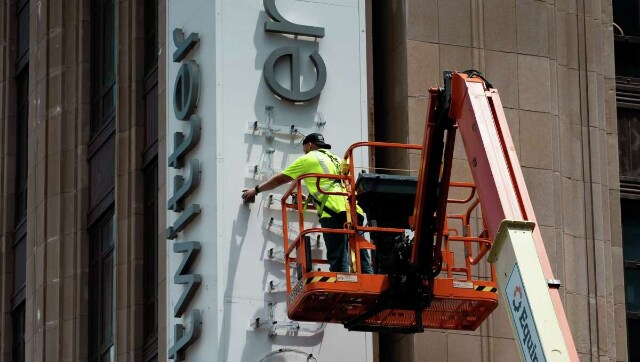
[552, 62]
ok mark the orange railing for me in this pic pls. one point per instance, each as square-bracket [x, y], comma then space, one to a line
[354, 230]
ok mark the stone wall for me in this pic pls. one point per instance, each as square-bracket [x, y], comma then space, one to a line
[552, 62]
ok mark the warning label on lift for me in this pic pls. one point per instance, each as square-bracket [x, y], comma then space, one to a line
[520, 309]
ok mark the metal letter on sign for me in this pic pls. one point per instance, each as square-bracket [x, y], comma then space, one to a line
[295, 94]
[186, 90]
[284, 26]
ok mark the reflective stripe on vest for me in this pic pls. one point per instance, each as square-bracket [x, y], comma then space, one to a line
[318, 195]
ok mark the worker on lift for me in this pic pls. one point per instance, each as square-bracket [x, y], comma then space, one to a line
[332, 209]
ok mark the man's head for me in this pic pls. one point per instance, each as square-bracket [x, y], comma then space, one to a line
[313, 141]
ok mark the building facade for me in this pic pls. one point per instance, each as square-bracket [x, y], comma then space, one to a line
[84, 119]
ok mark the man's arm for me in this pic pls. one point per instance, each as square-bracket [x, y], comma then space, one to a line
[248, 195]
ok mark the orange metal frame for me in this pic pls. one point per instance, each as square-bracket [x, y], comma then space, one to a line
[323, 296]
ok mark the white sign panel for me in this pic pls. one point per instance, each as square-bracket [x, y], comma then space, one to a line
[245, 80]
[520, 309]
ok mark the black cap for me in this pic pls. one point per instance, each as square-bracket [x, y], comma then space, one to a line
[317, 139]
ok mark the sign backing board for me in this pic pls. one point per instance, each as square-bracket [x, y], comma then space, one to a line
[231, 257]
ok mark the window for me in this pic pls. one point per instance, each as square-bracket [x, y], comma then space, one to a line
[631, 252]
[102, 182]
[626, 18]
[101, 294]
[150, 179]
[19, 245]
[103, 65]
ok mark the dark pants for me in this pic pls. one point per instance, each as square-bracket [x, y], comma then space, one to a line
[338, 246]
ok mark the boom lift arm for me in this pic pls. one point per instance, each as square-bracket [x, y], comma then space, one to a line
[524, 272]
[417, 283]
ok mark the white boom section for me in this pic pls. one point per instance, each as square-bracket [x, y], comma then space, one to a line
[525, 292]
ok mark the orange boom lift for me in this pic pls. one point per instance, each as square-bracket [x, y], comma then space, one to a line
[416, 228]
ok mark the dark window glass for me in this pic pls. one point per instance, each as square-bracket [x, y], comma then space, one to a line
[101, 291]
[150, 281]
[102, 181]
[626, 18]
[22, 120]
[19, 245]
[151, 116]
[19, 267]
[150, 179]
[17, 350]
[102, 176]
[150, 34]
[103, 65]
[22, 17]
[631, 253]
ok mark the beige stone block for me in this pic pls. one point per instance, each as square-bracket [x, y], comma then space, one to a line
[499, 70]
[571, 40]
[540, 186]
[608, 60]
[52, 303]
[53, 267]
[606, 213]
[571, 151]
[608, 268]
[577, 309]
[454, 58]
[500, 322]
[613, 162]
[56, 57]
[397, 347]
[566, 6]
[610, 111]
[423, 70]
[422, 20]
[513, 121]
[599, 55]
[417, 118]
[615, 218]
[600, 270]
[52, 341]
[499, 25]
[531, 25]
[556, 144]
[456, 30]
[598, 212]
[552, 35]
[40, 257]
[575, 265]
[549, 239]
[535, 140]
[569, 95]
[431, 346]
[557, 198]
[395, 77]
[397, 11]
[67, 340]
[559, 268]
[590, 40]
[471, 343]
[611, 331]
[459, 153]
[621, 332]
[506, 350]
[533, 83]
[53, 211]
[617, 270]
[68, 265]
[593, 99]
[39, 57]
[553, 86]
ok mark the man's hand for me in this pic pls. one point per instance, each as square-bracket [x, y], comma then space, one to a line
[249, 196]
